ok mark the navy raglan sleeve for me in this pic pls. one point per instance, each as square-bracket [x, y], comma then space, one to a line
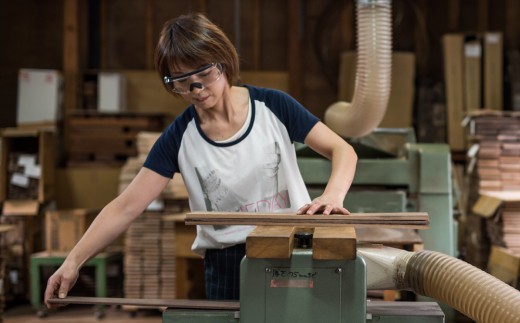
[163, 157]
[296, 118]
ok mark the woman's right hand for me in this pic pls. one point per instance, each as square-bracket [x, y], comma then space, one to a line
[60, 283]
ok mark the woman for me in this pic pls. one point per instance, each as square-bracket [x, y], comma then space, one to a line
[233, 146]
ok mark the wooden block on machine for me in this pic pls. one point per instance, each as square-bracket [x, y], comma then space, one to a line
[270, 242]
[334, 243]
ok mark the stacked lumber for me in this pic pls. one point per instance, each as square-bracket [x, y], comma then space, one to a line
[2, 283]
[511, 226]
[168, 268]
[149, 264]
[498, 164]
[497, 135]
[107, 138]
[174, 194]
[3, 261]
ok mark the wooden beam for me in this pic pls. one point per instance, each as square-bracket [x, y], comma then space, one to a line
[103, 35]
[453, 15]
[149, 34]
[257, 35]
[483, 15]
[170, 303]
[70, 54]
[412, 220]
[294, 47]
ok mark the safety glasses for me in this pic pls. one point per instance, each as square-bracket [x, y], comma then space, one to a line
[200, 78]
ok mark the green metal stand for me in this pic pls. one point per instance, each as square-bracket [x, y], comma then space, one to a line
[100, 262]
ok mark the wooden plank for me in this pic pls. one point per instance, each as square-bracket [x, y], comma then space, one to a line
[404, 308]
[388, 236]
[270, 242]
[334, 243]
[172, 303]
[149, 40]
[411, 220]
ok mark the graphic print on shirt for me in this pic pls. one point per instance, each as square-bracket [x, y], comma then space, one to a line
[273, 185]
[217, 196]
[272, 190]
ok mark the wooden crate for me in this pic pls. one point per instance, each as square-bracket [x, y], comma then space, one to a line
[28, 177]
[64, 228]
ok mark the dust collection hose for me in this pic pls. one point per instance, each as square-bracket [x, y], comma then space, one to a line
[373, 73]
[449, 280]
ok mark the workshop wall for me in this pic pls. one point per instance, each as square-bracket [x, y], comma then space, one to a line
[120, 34]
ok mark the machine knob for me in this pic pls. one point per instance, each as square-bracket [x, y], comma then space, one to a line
[303, 240]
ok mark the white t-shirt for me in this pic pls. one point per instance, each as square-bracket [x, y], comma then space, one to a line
[255, 171]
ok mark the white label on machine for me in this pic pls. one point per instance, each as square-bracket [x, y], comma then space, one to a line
[284, 278]
[292, 283]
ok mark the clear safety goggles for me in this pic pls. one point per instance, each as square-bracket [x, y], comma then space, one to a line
[200, 78]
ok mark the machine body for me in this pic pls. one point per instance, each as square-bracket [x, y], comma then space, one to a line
[302, 289]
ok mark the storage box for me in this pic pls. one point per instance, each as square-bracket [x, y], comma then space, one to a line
[27, 179]
[493, 71]
[63, 229]
[40, 96]
[86, 187]
[453, 54]
[502, 209]
[111, 92]
[504, 265]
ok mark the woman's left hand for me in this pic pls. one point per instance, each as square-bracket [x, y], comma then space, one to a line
[323, 205]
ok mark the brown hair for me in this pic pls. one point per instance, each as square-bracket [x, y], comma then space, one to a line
[193, 40]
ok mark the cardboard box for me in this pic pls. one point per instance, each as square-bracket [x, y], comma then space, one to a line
[34, 150]
[86, 187]
[504, 265]
[502, 209]
[111, 92]
[493, 71]
[453, 45]
[40, 96]
[473, 73]
[63, 229]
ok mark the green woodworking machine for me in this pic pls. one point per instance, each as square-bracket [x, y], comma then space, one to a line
[396, 174]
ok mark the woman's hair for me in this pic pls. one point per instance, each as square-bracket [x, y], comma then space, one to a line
[192, 40]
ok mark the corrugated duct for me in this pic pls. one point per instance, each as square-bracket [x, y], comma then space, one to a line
[373, 73]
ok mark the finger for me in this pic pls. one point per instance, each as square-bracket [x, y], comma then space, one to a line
[50, 292]
[64, 289]
[328, 209]
[303, 209]
[313, 208]
[345, 211]
[340, 210]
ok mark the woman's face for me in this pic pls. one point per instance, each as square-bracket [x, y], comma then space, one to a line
[202, 86]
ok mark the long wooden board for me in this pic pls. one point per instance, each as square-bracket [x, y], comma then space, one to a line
[410, 220]
[170, 303]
